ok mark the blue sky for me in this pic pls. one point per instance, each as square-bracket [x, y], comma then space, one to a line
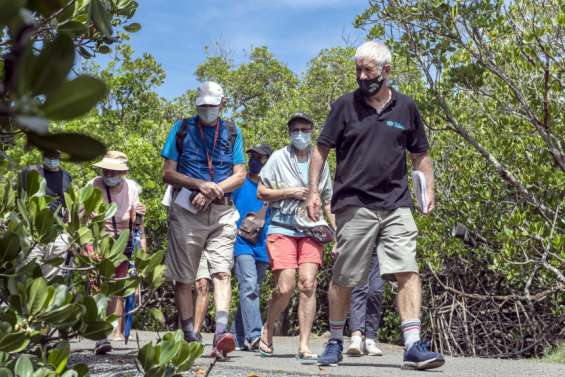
[175, 32]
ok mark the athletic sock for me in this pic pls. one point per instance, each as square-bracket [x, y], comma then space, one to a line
[411, 332]
[221, 322]
[336, 328]
[187, 325]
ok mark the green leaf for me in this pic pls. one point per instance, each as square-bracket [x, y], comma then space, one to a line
[74, 28]
[9, 10]
[82, 370]
[147, 356]
[59, 356]
[104, 49]
[74, 98]
[14, 342]
[158, 315]
[93, 201]
[35, 184]
[37, 296]
[9, 246]
[119, 245]
[24, 367]
[133, 27]
[169, 348]
[67, 314]
[97, 330]
[91, 309]
[47, 7]
[157, 276]
[44, 226]
[99, 15]
[195, 350]
[75, 147]
[53, 65]
[5, 372]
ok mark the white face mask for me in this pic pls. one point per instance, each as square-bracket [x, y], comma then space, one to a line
[300, 140]
[112, 181]
[208, 115]
[51, 164]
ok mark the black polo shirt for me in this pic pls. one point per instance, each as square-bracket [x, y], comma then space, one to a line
[371, 150]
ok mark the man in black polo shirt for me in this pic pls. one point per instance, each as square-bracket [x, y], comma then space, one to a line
[371, 129]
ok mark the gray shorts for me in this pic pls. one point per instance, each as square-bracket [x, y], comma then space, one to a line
[200, 244]
[359, 228]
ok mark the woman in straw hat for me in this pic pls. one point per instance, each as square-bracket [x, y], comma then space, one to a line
[116, 188]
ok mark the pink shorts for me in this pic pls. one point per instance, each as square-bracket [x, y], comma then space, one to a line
[286, 252]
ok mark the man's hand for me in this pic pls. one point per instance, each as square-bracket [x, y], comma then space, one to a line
[334, 250]
[211, 190]
[314, 205]
[431, 204]
[300, 193]
[201, 201]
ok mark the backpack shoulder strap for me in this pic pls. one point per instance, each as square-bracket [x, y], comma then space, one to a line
[179, 137]
[232, 130]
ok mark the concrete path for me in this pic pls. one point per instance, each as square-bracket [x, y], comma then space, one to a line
[284, 363]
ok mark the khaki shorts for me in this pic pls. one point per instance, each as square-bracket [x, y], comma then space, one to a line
[359, 228]
[203, 269]
[210, 233]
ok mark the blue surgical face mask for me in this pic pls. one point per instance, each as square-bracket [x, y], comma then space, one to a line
[255, 165]
[51, 164]
[112, 181]
[208, 115]
[300, 139]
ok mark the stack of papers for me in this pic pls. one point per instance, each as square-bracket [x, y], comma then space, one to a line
[421, 188]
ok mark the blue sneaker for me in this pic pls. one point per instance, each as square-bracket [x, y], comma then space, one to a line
[420, 357]
[332, 353]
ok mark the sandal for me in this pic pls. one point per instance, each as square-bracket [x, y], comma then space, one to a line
[307, 357]
[265, 349]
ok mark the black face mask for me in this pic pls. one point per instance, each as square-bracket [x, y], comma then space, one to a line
[370, 87]
[255, 166]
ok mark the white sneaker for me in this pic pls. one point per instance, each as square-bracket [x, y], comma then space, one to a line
[371, 348]
[356, 346]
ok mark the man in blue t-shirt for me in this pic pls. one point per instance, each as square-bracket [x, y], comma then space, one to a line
[204, 162]
[251, 260]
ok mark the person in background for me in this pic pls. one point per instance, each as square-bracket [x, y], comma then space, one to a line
[365, 313]
[251, 259]
[58, 182]
[116, 188]
[283, 183]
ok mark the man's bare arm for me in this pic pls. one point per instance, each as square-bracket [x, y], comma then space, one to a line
[276, 195]
[236, 180]
[423, 163]
[174, 178]
[319, 156]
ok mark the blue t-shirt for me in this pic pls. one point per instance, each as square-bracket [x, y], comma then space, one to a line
[245, 200]
[193, 161]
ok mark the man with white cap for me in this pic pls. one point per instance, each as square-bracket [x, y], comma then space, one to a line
[205, 163]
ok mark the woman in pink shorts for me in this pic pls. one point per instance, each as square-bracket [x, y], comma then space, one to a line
[283, 183]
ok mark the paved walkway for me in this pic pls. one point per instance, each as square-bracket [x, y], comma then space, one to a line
[284, 363]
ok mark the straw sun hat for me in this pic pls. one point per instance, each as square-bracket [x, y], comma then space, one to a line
[113, 160]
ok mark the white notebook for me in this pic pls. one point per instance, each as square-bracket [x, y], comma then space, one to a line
[183, 200]
[420, 188]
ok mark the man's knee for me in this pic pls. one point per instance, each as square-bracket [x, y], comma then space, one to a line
[307, 286]
[285, 288]
[223, 276]
[202, 286]
[407, 279]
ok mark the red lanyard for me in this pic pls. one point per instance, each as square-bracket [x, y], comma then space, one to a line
[208, 154]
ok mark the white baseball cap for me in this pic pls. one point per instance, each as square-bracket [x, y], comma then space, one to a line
[209, 93]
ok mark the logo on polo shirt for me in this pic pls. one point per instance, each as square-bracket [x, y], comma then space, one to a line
[395, 124]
